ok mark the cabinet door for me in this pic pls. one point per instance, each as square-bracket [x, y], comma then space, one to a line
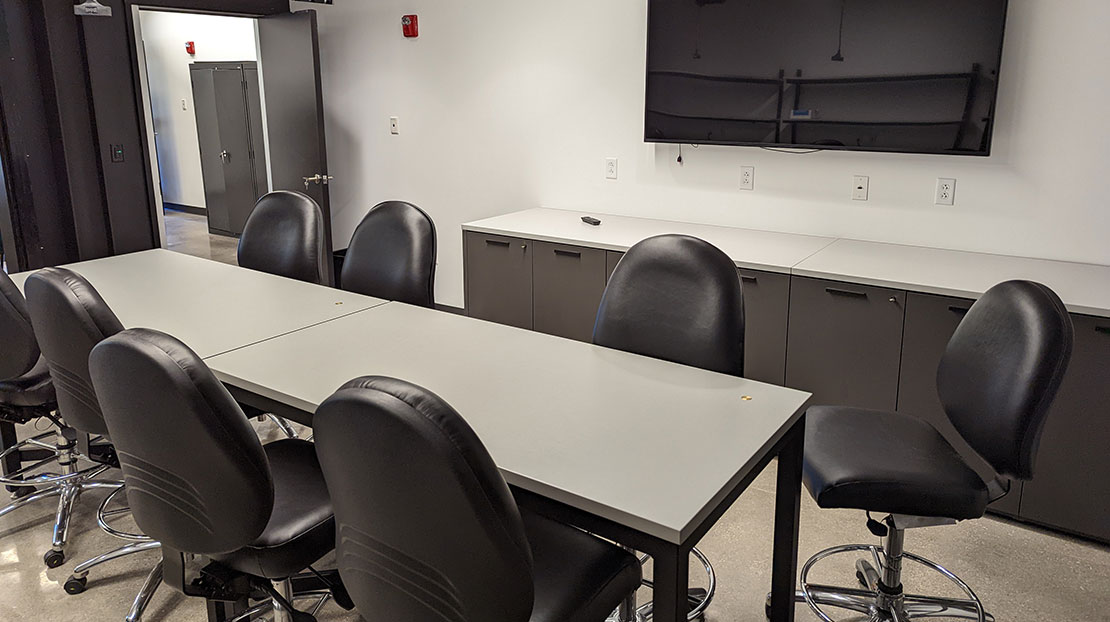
[611, 259]
[567, 285]
[766, 307]
[499, 279]
[1070, 488]
[930, 323]
[845, 342]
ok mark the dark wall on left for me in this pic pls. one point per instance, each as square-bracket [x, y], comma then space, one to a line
[72, 128]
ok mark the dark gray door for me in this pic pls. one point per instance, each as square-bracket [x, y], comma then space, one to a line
[235, 138]
[498, 279]
[567, 283]
[930, 323]
[845, 342]
[1070, 488]
[766, 308]
[289, 60]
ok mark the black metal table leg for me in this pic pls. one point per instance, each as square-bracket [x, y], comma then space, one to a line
[671, 575]
[8, 438]
[788, 501]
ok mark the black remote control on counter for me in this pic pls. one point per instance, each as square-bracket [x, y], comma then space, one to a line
[590, 220]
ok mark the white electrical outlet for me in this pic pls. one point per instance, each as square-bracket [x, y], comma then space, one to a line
[747, 178]
[184, 104]
[861, 185]
[946, 191]
[394, 125]
[610, 168]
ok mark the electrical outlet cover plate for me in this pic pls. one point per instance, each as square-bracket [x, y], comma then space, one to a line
[747, 178]
[861, 185]
[610, 168]
[394, 125]
[946, 191]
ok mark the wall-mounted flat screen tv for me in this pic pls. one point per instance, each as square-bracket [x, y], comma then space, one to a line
[917, 76]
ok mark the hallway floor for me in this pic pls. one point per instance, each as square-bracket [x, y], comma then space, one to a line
[188, 233]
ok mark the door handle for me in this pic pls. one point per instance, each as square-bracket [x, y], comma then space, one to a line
[225, 157]
[846, 292]
[958, 310]
[566, 253]
[497, 243]
[317, 179]
[748, 279]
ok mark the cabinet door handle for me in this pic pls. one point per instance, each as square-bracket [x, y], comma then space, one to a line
[845, 292]
[566, 253]
[958, 310]
[748, 279]
[497, 243]
[1105, 330]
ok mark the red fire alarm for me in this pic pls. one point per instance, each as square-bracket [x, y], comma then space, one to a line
[191, 48]
[410, 26]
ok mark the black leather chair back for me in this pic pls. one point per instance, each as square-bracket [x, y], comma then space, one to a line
[1001, 370]
[284, 235]
[196, 476]
[70, 318]
[393, 255]
[416, 493]
[20, 348]
[677, 298]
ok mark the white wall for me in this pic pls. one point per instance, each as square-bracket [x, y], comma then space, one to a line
[164, 36]
[507, 105]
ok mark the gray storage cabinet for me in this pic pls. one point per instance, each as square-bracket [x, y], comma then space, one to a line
[498, 279]
[766, 309]
[567, 284]
[845, 342]
[1071, 485]
[611, 260]
[930, 323]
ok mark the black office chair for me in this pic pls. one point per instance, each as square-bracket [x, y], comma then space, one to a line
[284, 235]
[392, 255]
[429, 531]
[27, 395]
[199, 480]
[70, 318]
[997, 379]
[677, 298]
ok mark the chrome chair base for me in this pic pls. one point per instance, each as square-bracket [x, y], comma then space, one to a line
[880, 595]
[280, 604]
[283, 425]
[67, 485]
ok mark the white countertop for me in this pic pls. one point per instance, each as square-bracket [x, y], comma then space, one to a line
[749, 248]
[601, 430]
[212, 307]
[1084, 288]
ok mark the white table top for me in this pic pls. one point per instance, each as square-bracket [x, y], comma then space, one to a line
[650, 444]
[749, 248]
[1084, 288]
[212, 307]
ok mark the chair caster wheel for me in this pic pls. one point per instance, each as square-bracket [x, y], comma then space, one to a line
[75, 585]
[862, 580]
[54, 558]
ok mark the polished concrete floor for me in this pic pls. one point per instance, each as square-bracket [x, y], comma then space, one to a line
[188, 233]
[1021, 573]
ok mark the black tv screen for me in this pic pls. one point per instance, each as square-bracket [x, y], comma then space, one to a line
[918, 76]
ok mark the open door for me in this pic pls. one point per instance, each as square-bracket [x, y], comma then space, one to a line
[289, 63]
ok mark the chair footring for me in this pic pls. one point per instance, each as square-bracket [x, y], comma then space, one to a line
[698, 599]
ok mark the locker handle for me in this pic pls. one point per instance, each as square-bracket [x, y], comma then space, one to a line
[497, 243]
[958, 310]
[1105, 330]
[566, 253]
[748, 279]
[845, 292]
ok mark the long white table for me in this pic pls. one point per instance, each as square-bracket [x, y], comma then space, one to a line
[646, 452]
[211, 306]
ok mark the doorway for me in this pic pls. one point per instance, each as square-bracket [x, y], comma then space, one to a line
[211, 87]
[194, 66]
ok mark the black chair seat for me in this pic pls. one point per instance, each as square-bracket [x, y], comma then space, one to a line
[301, 528]
[887, 462]
[30, 390]
[578, 578]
